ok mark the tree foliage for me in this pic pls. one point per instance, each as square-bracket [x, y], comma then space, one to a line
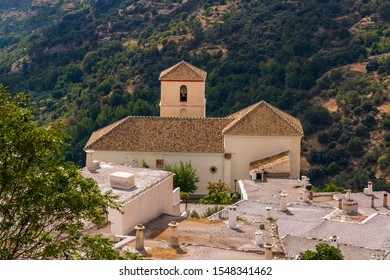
[185, 176]
[45, 201]
[218, 193]
[323, 252]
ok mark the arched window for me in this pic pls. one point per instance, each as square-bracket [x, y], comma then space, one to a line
[183, 93]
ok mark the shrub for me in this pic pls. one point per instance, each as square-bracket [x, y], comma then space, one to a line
[372, 65]
[211, 211]
[383, 162]
[144, 164]
[194, 214]
[332, 188]
[323, 252]
[387, 137]
[185, 176]
[332, 168]
[386, 123]
[218, 193]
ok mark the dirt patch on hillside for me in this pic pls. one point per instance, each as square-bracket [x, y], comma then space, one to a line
[359, 67]
[385, 108]
[331, 105]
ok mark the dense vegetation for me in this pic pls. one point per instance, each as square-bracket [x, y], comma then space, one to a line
[45, 201]
[90, 63]
[323, 252]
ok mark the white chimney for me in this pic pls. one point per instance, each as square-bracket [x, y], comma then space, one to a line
[174, 240]
[348, 195]
[268, 213]
[343, 216]
[139, 237]
[283, 202]
[90, 163]
[333, 241]
[305, 180]
[122, 180]
[259, 238]
[369, 188]
[232, 216]
[304, 195]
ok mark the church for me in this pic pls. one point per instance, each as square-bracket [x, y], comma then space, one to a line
[257, 142]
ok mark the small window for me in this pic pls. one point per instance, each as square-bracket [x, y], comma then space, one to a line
[183, 93]
[213, 169]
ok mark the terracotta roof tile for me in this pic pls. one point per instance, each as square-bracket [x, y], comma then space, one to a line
[101, 132]
[183, 71]
[270, 161]
[163, 134]
[263, 119]
[192, 134]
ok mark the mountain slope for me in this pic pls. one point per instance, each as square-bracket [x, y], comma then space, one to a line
[90, 63]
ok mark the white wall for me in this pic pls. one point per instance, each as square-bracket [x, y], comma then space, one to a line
[200, 161]
[246, 149]
[143, 208]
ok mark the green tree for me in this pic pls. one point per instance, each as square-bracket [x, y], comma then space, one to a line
[332, 188]
[185, 176]
[185, 196]
[45, 202]
[323, 252]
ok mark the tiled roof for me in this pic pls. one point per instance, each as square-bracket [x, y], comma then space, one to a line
[263, 119]
[183, 71]
[162, 134]
[101, 132]
[270, 161]
[192, 134]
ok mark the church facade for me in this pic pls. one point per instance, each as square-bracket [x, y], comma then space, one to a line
[258, 141]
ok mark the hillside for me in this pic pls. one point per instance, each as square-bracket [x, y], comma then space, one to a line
[92, 62]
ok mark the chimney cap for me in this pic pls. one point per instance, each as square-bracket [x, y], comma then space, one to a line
[139, 227]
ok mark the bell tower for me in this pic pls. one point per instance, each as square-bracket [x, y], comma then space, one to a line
[183, 91]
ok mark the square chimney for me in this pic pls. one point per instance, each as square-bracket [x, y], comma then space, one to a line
[122, 180]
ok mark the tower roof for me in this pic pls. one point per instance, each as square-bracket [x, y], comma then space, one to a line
[183, 71]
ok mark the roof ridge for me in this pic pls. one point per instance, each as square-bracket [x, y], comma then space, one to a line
[192, 67]
[277, 111]
[174, 117]
[233, 123]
